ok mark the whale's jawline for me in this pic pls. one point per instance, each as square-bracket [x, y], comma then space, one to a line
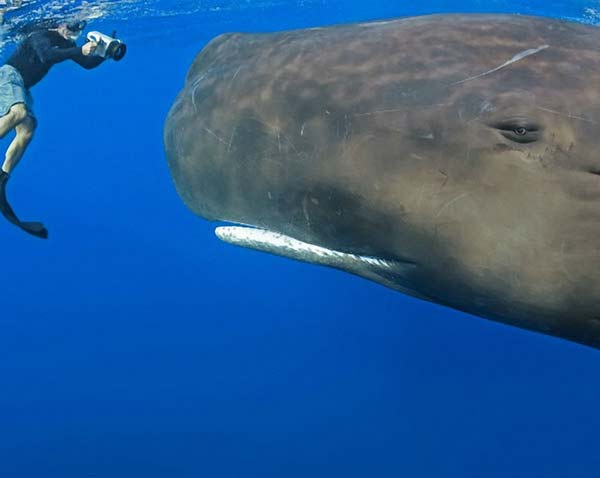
[393, 273]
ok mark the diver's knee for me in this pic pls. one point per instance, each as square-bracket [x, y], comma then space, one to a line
[18, 112]
[26, 129]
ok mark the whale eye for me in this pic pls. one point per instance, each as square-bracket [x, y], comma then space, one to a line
[519, 130]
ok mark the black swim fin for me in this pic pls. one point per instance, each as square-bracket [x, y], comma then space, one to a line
[36, 229]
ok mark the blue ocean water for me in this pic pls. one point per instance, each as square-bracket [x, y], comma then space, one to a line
[134, 343]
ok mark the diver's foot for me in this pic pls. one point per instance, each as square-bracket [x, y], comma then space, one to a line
[36, 229]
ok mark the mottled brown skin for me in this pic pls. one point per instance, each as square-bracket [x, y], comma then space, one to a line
[366, 138]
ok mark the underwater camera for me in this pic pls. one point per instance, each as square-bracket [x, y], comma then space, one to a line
[108, 47]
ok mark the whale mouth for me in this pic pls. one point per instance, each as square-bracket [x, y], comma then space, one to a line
[280, 244]
[391, 272]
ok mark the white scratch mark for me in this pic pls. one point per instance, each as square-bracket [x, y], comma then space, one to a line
[547, 110]
[452, 201]
[196, 86]
[305, 211]
[215, 135]
[268, 125]
[280, 132]
[380, 112]
[420, 196]
[568, 115]
[231, 138]
[514, 59]
[486, 106]
[302, 129]
[562, 262]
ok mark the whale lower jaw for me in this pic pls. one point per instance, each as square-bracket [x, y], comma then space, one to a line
[389, 272]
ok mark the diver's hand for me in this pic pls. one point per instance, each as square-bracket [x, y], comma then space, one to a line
[89, 48]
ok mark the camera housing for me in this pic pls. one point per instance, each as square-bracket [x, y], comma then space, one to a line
[108, 47]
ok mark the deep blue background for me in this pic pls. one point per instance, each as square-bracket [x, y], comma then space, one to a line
[134, 343]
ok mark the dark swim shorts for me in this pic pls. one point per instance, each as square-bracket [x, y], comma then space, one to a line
[13, 91]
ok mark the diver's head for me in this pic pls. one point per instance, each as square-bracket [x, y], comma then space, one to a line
[72, 30]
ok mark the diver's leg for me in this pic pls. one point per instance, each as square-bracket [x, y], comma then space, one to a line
[10, 120]
[14, 153]
[24, 134]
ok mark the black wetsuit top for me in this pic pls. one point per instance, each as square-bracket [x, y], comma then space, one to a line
[41, 50]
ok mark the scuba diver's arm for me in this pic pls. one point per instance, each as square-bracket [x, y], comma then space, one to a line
[49, 53]
[87, 61]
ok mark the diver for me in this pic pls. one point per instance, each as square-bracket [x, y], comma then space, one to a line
[30, 62]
